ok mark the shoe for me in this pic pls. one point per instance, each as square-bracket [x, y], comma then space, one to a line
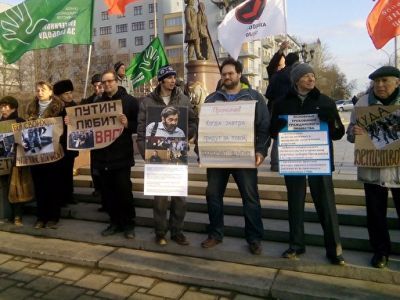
[39, 225]
[129, 234]
[51, 225]
[160, 240]
[274, 168]
[292, 253]
[379, 261]
[210, 242]
[255, 248]
[337, 260]
[18, 221]
[110, 230]
[180, 239]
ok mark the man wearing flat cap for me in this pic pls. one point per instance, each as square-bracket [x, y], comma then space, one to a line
[166, 94]
[377, 181]
[305, 98]
[125, 82]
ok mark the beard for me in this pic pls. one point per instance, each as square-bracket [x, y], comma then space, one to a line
[169, 127]
[230, 84]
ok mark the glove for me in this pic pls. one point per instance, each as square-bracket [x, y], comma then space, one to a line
[280, 124]
[326, 116]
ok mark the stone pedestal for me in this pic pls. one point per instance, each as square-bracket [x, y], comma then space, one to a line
[203, 71]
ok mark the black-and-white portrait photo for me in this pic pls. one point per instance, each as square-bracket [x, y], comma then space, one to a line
[38, 140]
[385, 131]
[81, 139]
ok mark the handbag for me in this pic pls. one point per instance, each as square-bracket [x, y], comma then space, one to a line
[21, 185]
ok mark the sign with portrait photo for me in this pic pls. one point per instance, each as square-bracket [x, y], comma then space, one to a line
[379, 147]
[166, 151]
[94, 126]
[7, 149]
[38, 141]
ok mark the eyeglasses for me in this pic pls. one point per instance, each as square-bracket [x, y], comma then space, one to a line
[108, 81]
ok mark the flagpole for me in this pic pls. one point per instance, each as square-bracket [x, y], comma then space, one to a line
[285, 16]
[155, 17]
[87, 71]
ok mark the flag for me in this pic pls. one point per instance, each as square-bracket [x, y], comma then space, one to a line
[41, 24]
[383, 22]
[145, 66]
[117, 7]
[249, 21]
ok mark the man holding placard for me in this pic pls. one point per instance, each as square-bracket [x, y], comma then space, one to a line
[305, 99]
[226, 100]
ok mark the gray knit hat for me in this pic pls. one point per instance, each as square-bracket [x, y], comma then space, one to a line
[299, 71]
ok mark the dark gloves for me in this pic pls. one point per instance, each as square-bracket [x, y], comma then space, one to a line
[280, 124]
[326, 116]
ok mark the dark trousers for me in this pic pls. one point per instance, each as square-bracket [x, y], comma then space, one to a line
[376, 198]
[116, 194]
[49, 186]
[67, 173]
[177, 213]
[323, 196]
[246, 180]
[95, 175]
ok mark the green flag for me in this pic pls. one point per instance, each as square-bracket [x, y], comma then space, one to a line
[41, 24]
[146, 65]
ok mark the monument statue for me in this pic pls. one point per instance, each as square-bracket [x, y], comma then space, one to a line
[227, 4]
[192, 37]
[202, 24]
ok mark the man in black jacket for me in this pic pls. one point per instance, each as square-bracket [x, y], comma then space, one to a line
[305, 98]
[114, 162]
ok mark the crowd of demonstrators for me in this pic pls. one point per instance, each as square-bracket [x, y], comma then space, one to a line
[246, 179]
[47, 178]
[9, 111]
[305, 98]
[122, 80]
[378, 181]
[166, 95]
[114, 162]
[63, 90]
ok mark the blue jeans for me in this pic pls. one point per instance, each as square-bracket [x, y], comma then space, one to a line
[246, 180]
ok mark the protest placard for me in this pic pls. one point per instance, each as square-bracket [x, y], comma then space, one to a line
[38, 141]
[303, 146]
[94, 126]
[380, 145]
[7, 149]
[226, 135]
[166, 171]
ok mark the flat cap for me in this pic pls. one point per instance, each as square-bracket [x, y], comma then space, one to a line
[385, 71]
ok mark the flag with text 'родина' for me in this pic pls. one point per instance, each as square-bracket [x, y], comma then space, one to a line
[145, 65]
[117, 7]
[383, 22]
[41, 24]
[249, 21]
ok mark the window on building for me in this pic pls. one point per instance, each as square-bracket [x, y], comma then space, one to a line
[173, 21]
[151, 8]
[122, 43]
[106, 44]
[104, 15]
[121, 28]
[151, 24]
[120, 16]
[94, 31]
[138, 41]
[137, 10]
[76, 49]
[138, 26]
[105, 30]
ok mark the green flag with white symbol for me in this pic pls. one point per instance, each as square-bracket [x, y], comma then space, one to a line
[146, 65]
[41, 24]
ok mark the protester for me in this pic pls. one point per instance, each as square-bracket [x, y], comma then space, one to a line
[279, 85]
[47, 178]
[123, 81]
[9, 111]
[377, 181]
[168, 126]
[246, 179]
[114, 162]
[165, 95]
[277, 61]
[305, 98]
[96, 96]
[63, 91]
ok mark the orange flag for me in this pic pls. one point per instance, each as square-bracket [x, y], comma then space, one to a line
[117, 7]
[383, 22]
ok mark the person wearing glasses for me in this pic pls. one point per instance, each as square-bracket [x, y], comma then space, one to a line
[114, 162]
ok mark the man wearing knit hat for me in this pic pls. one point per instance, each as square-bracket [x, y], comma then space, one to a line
[166, 94]
[377, 181]
[123, 81]
[305, 98]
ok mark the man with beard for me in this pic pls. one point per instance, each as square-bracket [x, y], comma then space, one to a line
[166, 95]
[246, 179]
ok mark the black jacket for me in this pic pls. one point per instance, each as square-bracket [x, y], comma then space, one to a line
[314, 103]
[120, 153]
[279, 85]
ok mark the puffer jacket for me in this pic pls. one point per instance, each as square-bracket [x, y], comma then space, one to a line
[387, 176]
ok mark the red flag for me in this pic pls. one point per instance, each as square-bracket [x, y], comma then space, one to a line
[383, 22]
[117, 7]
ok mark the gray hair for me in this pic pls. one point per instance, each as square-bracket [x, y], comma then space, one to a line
[169, 111]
